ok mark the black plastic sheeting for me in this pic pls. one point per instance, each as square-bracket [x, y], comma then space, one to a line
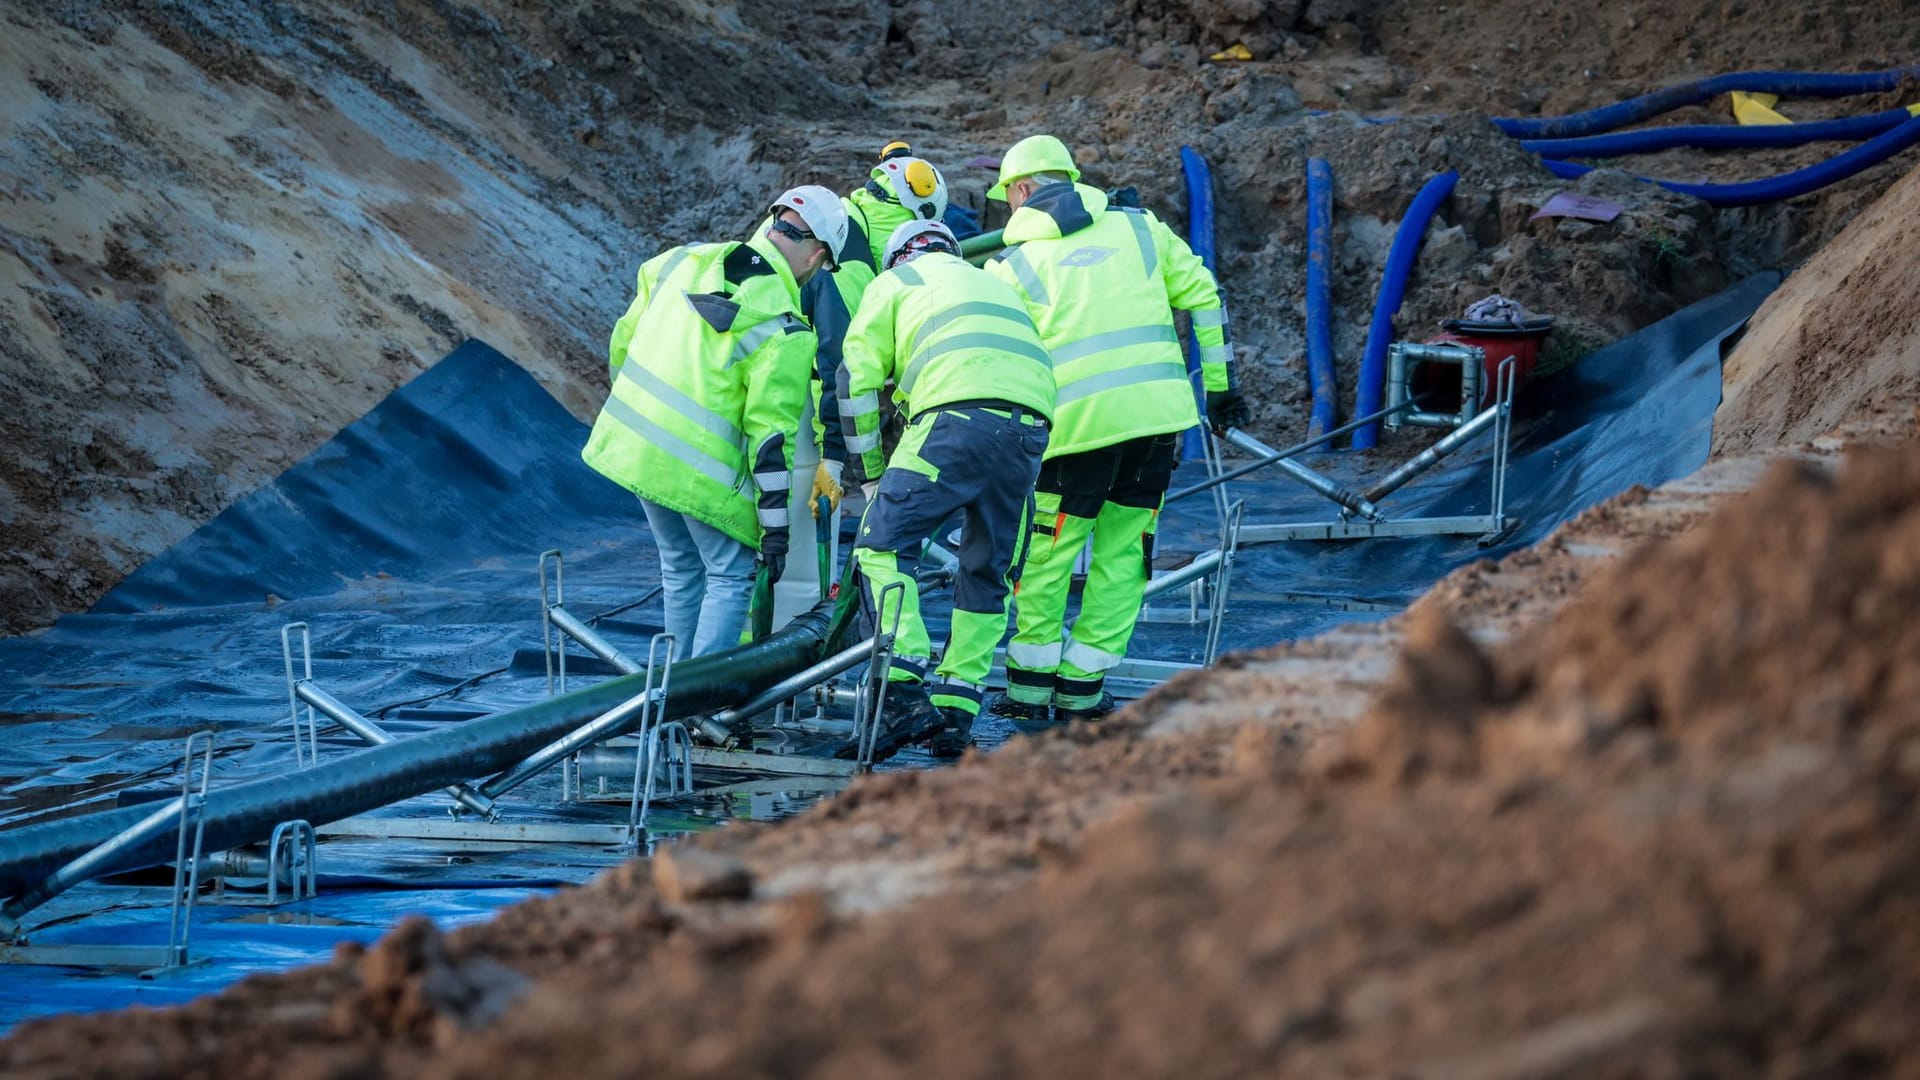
[409, 543]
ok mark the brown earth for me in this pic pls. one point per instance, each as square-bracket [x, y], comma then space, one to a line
[1637, 801]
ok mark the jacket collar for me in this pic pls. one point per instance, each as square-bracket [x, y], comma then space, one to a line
[759, 243]
[1054, 211]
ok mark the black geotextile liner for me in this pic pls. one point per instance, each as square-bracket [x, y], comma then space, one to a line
[409, 542]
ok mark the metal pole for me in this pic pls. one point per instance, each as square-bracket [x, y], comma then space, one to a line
[90, 865]
[338, 711]
[586, 635]
[605, 726]
[1297, 448]
[826, 669]
[1355, 503]
[1427, 458]
[1201, 566]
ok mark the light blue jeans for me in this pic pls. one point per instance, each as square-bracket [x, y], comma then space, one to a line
[706, 580]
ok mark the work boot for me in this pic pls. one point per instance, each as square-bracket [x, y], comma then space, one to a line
[1027, 718]
[910, 716]
[1099, 709]
[955, 734]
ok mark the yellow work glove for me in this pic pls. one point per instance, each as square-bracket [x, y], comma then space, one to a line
[826, 481]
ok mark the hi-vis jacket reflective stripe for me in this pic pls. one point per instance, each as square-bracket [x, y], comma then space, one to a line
[1101, 284]
[710, 367]
[943, 331]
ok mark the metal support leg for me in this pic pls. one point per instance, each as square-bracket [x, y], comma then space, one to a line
[1223, 580]
[644, 758]
[308, 753]
[186, 873]
[867, 730]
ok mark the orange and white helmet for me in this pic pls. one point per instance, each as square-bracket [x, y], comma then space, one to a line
[826, 218]
[914, 237]
[917, 184]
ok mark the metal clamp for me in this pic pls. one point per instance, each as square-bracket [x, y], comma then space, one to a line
[309, 754]
[293, 837]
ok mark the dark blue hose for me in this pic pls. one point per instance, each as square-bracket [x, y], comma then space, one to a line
[1393, 286]
[1320, 296]
[1718, 136]
[1200, 238]
[1786, 185]
[1634, 110]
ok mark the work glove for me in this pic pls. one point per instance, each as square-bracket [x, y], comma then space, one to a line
[773, 553]
[1227, 409]
[826, 482]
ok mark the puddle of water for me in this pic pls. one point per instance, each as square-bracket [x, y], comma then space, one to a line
[291, 918]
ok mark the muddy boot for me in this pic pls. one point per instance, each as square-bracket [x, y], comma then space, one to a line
[1027, 719]
[1104, 707]
[955, 734]
[909, 717]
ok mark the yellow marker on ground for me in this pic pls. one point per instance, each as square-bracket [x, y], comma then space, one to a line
[1753, 109]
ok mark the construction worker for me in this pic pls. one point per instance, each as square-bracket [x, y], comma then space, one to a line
[710, 369]
[900, 188]
[1101, 283]
[970, 375]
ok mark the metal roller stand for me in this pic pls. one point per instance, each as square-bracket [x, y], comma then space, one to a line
[1223, 580]
[293, 837]
[659, 747]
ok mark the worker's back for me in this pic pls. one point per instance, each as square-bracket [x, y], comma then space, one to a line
[961, 335]
[1101, 284]
[710, 372]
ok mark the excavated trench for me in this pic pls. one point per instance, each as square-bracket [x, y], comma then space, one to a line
[418, 173]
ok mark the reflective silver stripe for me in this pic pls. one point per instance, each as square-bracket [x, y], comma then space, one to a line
[1034, 656]
[1214, 354]
[860, 404]
[1143, 233]
[673, 398]
[1089, 659]
[689, 455]
[673, 263]
[1111, 340]
[860, 444]
[997, 342]
[775, 518]
[971, 307]
[752, 338]
[767, 481]
[1029, 281]
[908, 275]
[1113, 380]
[1210, 317]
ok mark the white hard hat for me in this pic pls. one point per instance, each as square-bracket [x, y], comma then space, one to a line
[826, 219]
[914, 237]
[917, 184]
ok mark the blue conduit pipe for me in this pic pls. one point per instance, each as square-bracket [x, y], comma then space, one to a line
[1393, 286]
[1320, 297]
[1633, 110]
[1774, 188]
[1200, 238]
[1718, 136]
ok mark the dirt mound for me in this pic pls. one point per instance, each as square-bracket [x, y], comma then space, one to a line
[1841, 335]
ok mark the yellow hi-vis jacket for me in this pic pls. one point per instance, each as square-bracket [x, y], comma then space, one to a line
[1101, 283]
[944, 332]
[711, 366]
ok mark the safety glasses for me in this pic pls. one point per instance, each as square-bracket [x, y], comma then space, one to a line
[791, 231]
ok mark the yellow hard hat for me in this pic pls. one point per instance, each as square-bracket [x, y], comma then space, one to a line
[1033, 154]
